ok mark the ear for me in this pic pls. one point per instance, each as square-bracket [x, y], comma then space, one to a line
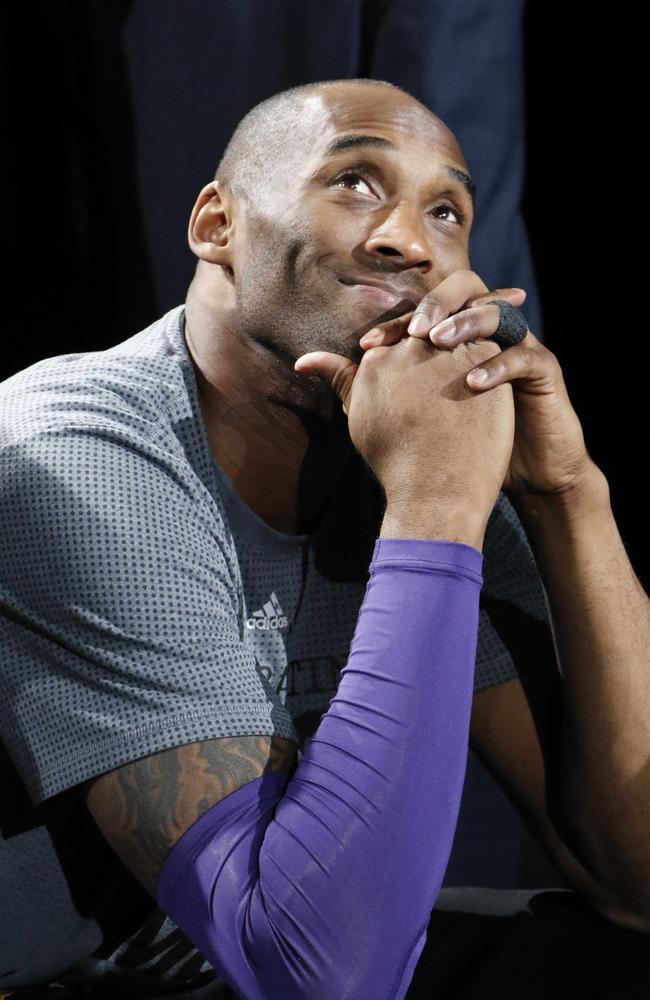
[210, 229]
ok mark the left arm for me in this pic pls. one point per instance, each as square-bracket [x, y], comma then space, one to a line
[585, 788]
[600, 617]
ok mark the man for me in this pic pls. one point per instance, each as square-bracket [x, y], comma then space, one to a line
[189, 521]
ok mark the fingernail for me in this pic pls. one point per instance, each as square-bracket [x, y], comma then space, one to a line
[419, 323]
[371, 337]
[444, 332]
[478, 375]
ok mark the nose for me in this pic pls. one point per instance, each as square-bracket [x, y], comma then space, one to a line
[401, 235]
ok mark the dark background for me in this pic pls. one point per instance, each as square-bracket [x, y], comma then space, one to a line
[95, 240]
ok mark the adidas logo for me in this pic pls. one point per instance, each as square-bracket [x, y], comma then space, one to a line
[268, 617]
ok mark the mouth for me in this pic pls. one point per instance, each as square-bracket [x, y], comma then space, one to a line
[383, 293]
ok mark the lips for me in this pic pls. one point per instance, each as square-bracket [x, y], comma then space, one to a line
[382, 292]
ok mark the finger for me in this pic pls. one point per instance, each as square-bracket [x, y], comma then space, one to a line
[516, 362]
[470, 325]
[516, 296]
[453, 295]
[386, 333]
[446, 298]
[337, 371]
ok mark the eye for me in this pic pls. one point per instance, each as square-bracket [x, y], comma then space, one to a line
[356, 175]
[447, 208]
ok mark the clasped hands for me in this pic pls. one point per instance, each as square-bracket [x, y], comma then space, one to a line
[549, 455]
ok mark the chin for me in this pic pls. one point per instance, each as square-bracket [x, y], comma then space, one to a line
[345, 340]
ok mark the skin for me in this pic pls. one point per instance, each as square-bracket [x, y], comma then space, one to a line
[146, 805]
[267, 289]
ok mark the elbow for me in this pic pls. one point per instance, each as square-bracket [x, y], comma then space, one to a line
[323, 960]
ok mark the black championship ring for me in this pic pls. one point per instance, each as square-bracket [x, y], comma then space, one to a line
[513, 327]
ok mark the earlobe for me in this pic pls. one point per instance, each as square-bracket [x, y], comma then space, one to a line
[210, 228]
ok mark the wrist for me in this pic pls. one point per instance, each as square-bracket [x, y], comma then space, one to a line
[587, 496]
[409, 519]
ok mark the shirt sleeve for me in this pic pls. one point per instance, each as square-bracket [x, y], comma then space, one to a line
[514, 633]
[119, 610]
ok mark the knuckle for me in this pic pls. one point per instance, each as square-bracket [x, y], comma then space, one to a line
[431, 304]
[471, 320]
[527, 356]
[553, 359]
[551, 363]
[372, 358]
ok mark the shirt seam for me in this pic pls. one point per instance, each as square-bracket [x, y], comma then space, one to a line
[166, 723]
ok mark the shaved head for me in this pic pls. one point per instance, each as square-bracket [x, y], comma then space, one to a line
[280, 130]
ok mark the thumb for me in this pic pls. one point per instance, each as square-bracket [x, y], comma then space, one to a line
[336, 370]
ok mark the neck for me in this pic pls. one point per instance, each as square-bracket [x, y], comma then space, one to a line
[281, 448]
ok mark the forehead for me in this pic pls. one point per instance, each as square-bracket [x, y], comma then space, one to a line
[382, 111]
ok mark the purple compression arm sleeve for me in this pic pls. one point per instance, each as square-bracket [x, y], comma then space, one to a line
[322, 887]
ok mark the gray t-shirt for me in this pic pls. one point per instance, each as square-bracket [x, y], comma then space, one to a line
[144, 605]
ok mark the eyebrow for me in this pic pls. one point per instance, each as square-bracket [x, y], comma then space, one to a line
[354, 141]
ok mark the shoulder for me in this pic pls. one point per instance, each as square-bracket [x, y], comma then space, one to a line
[104, 455]
[105, 418]
[123, 388]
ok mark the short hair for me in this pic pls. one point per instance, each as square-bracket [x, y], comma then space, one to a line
[265, 135]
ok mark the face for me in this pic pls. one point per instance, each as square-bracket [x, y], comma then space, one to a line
[389, 210]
